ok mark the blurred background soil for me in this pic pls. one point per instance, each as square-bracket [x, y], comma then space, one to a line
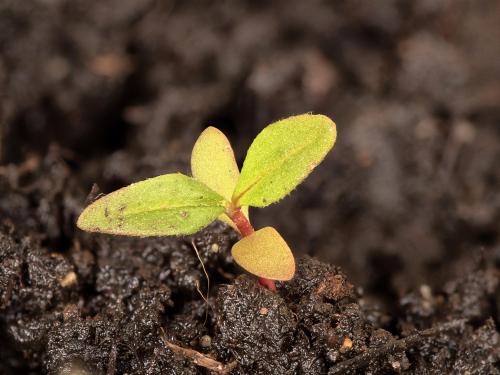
[410, 192]
[111, 92]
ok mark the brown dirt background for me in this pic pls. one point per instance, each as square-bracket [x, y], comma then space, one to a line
[119, 90]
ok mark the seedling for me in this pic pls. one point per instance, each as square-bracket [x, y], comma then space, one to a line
[280, 157]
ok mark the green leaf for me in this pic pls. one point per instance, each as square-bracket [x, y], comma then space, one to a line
[171, 204]
[265, 254]
[281, 156]
[213, 163]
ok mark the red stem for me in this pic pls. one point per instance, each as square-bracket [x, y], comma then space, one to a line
[242, 223]
[246, 230]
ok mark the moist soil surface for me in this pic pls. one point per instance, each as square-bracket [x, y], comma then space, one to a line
[396, 233]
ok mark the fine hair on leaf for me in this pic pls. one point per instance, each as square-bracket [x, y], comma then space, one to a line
[171, 204]
[281, 156]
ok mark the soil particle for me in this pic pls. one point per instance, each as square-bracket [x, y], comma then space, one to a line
[450, 354]
[106, 304]
[258, 342]
[396, 361]
[10, 269]
[471, 297]
[474, 349]
[312, 325]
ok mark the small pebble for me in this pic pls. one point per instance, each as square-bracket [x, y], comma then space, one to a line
[426, 129]
[263, 311]
[68, 280]
[426, 292]
[396, 365]
[205, 341]
[214, 248]
[70, 311]
[464, 132]
[346, 345]
[332, 356]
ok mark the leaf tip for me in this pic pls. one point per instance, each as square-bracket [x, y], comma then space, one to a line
[212, 129]
[208, 132]
[80, 223]
[332, 126]
[84, 221]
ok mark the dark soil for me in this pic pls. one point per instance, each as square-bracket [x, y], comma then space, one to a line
[407, 204]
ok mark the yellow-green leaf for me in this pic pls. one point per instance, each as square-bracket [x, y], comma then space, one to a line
[213, 163]
[281, 156]
[265, 254]
[171, 204]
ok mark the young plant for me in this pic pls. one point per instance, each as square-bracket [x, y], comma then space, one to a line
[280, 157]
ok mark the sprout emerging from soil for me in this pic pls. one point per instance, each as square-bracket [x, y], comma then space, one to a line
[280, 157]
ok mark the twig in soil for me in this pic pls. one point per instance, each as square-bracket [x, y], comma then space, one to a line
[363, 360]
[208, 280]
[200, 359]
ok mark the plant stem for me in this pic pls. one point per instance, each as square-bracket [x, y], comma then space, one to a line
[246, 230]
[242, 223]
